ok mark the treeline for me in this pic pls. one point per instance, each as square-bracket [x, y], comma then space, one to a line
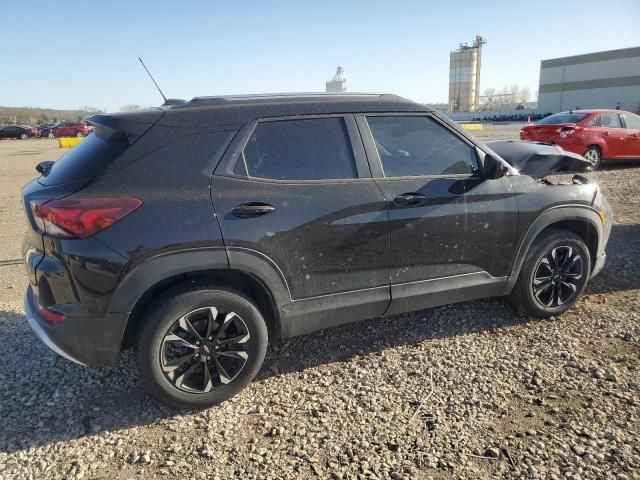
[36, 116]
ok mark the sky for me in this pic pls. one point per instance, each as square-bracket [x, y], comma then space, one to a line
[87, 55]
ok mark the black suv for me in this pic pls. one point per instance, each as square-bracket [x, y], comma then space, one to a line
[200, 231]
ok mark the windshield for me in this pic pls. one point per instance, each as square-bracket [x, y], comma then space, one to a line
[562, 118]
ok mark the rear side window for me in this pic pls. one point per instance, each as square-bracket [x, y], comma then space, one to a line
[84, 161]
[594, 122]
[611, 120]
[312, 149]
[419, 146]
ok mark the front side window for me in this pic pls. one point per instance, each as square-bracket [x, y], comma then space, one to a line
[632, 121]
[418, 146]
[311, 149]
[611, 120]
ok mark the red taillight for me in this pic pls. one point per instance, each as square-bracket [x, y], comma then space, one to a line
[81, 218]
[50, 316]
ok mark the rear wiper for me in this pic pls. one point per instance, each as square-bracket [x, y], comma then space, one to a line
[43, 167]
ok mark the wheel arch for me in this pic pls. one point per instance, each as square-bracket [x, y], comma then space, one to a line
[579, 219]
[601, 145]
[141, 286]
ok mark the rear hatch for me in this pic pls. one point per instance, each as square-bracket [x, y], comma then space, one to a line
[113, 135]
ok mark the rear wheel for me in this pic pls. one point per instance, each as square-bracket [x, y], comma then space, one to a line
[554, 274]
[200, 346]
[594, 156]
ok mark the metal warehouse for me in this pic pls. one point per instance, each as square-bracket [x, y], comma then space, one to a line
[609, 79]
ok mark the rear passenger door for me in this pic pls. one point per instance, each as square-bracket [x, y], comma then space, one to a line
[614, 135]
[452, 231]
[297, 193]
[632, 124]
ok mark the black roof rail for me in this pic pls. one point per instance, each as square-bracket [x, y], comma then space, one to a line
[229, 99]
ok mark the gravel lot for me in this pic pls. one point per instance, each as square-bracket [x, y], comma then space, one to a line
[464, 391]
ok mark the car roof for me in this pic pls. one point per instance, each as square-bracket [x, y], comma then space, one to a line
[228, 109]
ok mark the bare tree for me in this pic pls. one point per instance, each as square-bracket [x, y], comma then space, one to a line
[524, 95]
[131, 107]
[487, 99]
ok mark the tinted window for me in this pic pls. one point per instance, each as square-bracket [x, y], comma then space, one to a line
[311, 149]
[85, 160]
[561, 118]
[612, 120]
[414, 146]
[632, 121]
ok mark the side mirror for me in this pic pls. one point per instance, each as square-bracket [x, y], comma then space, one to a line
[43, 167]
[494, 168]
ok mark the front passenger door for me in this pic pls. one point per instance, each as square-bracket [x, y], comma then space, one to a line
[452, 231]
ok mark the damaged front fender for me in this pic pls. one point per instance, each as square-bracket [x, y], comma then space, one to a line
[537, 159]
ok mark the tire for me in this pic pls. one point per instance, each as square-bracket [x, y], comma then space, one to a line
[79, 134]
[167, 327]
[536, 267]
[594, 156]
[24, 136]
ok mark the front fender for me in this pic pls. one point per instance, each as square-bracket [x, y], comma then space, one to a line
[546, 219]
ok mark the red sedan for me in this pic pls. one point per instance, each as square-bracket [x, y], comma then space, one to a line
[596, 134]
[75, 129]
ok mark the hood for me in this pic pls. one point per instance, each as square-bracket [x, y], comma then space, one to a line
[537, 159]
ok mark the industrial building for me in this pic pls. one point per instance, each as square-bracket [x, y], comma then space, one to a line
[609, 79]
[464, 76]
[338, 83]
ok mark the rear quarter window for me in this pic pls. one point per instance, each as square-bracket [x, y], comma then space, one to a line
[85, 161]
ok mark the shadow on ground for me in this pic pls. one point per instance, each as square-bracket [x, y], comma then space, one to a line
[45, 399]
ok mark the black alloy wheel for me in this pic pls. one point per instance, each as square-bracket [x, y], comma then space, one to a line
[204, 349]
[199, 344]
[554, 273]
[558, 276]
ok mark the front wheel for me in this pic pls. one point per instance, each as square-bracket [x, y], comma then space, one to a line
[594, 156]
[554, 274]
[200, 346]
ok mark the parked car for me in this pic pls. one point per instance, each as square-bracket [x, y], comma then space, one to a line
[77, 129]
[18, 131]
[597, 134]
[200, 232]
[47, 130]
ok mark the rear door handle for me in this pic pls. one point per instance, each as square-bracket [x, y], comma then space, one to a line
[409, 199]
[252, 209]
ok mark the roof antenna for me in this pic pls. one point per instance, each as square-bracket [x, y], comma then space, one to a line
[166, 102]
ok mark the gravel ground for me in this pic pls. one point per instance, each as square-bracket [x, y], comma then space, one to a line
[471, 390]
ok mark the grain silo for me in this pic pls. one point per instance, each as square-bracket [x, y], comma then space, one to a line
[464, 76]
[337, 84]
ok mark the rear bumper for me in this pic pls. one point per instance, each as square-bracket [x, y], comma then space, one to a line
[93, 341]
